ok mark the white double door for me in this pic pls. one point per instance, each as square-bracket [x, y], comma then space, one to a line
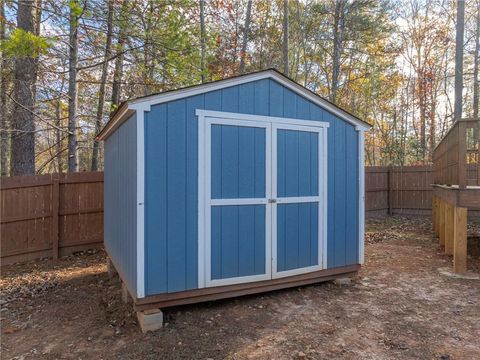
[262, 204]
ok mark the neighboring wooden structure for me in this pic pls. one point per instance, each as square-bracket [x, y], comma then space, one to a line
[456, 187]
[50, 215]
[404, 190]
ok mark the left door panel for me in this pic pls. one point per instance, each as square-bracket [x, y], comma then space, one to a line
[237, 222]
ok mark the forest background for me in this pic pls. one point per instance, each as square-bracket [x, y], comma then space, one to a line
[67, 64]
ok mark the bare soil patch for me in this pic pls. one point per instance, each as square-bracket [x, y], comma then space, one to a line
[399, 307]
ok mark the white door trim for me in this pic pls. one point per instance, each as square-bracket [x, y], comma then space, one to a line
[260, 118]
[205, 120]
[321, 199]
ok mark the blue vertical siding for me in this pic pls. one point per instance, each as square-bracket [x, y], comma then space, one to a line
[120, 216]
[238, 162]
[297, 159]
[297, 234]
[238, 241]
[171, 179]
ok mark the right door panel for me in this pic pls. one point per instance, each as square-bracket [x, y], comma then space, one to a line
[298, 187]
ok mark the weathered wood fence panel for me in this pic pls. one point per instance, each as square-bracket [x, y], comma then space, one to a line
[50, 215]
[398, 190]
[54, 215]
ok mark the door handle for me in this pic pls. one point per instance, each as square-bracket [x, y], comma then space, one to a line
[272, 201]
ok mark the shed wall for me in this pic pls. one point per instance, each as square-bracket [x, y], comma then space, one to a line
[171, 203]
[120, 197]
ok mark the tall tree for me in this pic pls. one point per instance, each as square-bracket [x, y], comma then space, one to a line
[103, 81]
[476, 61]
[459, 30]
[4, 124]
[202, 40]
[23, 137]
[75, 12]
[338, 34]
[246, 30]
[285, 37]
[118, 72]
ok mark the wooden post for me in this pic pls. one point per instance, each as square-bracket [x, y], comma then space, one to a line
[460, 240]
[449, 228]
[462, 154]
[390, 192]
[441, 227]
[438, 216]
[55, 216]
[434, 215]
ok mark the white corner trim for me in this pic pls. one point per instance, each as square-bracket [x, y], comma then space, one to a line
[267, 74]
[361, 196]
[201, 202]
[140, 110]
[324, 188]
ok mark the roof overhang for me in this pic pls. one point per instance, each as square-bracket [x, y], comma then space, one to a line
[145, 103]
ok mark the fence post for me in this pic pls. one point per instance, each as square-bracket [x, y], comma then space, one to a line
[390, 191]
[55, 216]
[462, 154]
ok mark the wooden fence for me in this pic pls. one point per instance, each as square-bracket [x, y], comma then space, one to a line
[50, 215]
[54, 215]
[398, 190]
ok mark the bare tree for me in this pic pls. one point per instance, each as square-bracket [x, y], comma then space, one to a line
[476, 55]
[460, 28]
[285, 37]
[3, 99]
[103, 80]
[118, 72]
[202, 40]
[338, 34]
[246, 30]
[72, 87]
[23, 137]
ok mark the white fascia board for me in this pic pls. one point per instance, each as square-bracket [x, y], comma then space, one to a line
[300, 90]
[147, 102]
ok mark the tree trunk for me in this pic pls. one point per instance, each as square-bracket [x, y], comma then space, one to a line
[4, 127]
[476, 94]
[118, 72]
[58, 136]
[459, 59]
[149, 50]
[101, 92]
[23, 138]
[72, 89]
[285, 37]
[338, 29]
[246, 30]
[202, 40]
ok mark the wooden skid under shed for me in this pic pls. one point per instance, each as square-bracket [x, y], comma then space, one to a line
[230, 291]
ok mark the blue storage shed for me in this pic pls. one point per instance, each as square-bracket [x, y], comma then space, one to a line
[247, 184]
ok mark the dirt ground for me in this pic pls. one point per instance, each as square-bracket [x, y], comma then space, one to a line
[399, 307]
